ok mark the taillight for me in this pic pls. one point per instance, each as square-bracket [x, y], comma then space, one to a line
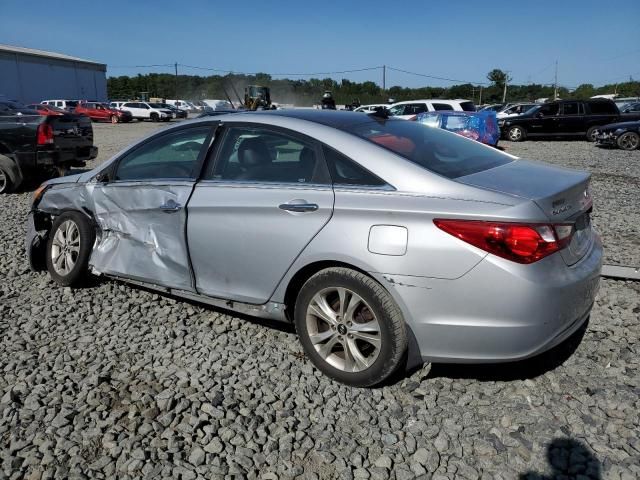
[518, 242]
[45, 134]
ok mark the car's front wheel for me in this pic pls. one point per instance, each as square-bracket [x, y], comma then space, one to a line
[516, 133]
[592, 132]
[629, 141]
[350, 327]
[69, 247]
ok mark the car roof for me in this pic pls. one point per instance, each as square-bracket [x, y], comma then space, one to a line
[430, 100]
[340, 119]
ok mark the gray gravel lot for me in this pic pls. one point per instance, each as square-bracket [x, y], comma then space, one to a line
[116, 382]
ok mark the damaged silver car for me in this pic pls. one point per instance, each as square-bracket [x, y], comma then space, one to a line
[385, 242]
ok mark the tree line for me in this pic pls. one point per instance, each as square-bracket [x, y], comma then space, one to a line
[309, 92]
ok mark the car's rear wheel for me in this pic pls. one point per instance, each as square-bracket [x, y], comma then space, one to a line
[6, 186]
[69, 247]
[114, 119]
[591, 133]
[629, 141]
[516, 133]
[350, 327]
[154, 117]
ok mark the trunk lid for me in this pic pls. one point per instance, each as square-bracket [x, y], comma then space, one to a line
[562, 194]
[71, 131]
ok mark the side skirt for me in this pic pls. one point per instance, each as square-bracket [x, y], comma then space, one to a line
[270, 310]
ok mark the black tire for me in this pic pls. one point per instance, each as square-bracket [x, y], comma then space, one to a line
[591, 132]
[377, 304]
[628, 141]
[154, 117]
[6, 184]
[516, 133]
[79, 270]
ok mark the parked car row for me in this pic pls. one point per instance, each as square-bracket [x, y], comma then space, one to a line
[581, 118]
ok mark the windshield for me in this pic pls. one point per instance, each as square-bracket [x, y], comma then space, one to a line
[436, 150]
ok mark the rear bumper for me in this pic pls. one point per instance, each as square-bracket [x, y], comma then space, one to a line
[75, 157]
[499, 311]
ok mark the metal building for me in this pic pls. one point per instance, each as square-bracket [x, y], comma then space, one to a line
[29, 76]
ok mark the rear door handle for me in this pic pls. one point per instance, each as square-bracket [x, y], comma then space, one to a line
[299, 207]
[170, 206]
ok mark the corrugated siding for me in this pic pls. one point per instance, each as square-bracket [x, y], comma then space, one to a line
[30, 79]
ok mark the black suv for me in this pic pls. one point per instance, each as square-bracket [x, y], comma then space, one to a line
[563, 118]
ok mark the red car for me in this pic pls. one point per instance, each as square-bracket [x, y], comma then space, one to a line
[46, 109]
[101, 112]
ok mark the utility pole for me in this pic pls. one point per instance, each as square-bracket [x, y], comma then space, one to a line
[176, 89]
[555, 83]
[384, 78]
[480, 98]
[504, 92]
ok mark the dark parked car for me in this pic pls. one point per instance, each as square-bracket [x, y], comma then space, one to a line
[563, 118]
[33, 145]
[625, 135]
[177, 112]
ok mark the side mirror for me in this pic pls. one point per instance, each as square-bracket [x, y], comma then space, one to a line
[539, 115]
[102, 177]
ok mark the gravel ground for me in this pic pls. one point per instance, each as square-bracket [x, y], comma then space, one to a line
[116, 382]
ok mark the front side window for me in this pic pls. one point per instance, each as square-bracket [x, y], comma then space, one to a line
[260, 155]
[173, 155]
[549, 110]
[397, 110]
[415, 108]
[431, 148]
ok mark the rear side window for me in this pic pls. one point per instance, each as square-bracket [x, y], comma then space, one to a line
[259, 155]
[571, 108]
[468, 106]
[345, 171]
[434, 149]
[603, 107]
[441, 106]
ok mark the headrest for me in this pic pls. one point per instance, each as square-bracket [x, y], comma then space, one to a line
[253, 152]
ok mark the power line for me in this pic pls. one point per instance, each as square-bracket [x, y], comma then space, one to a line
[435, 77]
[141, 66]
[307, 74]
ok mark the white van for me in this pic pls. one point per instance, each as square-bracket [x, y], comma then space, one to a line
[409, 109]
[219, 104]
[181, 104]
[67, 105]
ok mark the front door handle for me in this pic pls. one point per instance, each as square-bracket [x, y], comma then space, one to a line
[299, 207]
[170, 206]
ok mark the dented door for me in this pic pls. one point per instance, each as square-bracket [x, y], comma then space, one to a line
[141, 209]
[142, 232]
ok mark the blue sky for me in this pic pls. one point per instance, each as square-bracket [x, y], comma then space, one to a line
[460, 39]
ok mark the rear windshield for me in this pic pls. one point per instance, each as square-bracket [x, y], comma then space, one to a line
[436, 150]
[468, 106]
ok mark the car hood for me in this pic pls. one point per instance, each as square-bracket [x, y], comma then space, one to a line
[615, 126]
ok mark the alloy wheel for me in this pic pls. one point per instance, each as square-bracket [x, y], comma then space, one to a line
[343, 329]
[65, 247]
[628, 141]
[3, 181]
[515, 134]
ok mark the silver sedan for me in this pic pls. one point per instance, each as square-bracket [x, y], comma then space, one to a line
[383, 241]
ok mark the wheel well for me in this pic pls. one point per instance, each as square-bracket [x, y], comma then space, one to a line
[304, 274]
